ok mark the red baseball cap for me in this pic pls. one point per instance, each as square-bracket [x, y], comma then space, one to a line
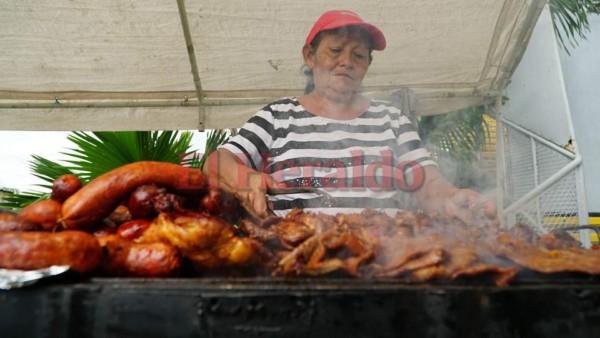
[340, 18]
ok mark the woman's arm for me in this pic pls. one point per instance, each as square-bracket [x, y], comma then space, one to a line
[439, 195]
[225, 170]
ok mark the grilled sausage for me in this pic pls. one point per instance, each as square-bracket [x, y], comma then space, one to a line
[45, 213]
[124, 258]
[221, 203]
[65, 186]
[133, 229]
[12, 222]
[36, 250]
[98, 198]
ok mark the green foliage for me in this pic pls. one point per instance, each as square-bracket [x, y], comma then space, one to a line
[459, 135]
[18, 200]
[47, 170]
[570, 19]
[96, 153]
[99, 152]
[215, 138]
[41, 168]
[455, 140]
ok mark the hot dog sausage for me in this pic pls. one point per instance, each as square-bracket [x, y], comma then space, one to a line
[12, 222]
[36, 250]
[45, 213]
[128, 259]
[100, 197]
[65, 186]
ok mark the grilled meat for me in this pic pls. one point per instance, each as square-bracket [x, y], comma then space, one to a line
[208, 242]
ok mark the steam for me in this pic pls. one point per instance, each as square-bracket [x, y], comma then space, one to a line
[467, 174]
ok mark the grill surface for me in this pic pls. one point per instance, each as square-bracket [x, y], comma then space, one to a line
[299, 308]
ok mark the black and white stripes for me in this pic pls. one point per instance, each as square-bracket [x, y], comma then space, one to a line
[359, 161]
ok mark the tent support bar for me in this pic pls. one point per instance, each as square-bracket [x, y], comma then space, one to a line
[500, 160]
[190, 48]
[219, 99]
[20, 104]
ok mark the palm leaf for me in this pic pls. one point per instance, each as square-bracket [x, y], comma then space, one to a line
[46, 170]
[570, 19]
[456, 139]
[42, 168]
[96, 153]
[215, 138]
[99, 152]
[459, 134]
[17, 200]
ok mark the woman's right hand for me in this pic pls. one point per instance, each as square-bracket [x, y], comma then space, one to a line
[248, 185]
[253, 191]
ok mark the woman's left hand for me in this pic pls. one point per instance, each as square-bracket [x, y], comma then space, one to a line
[438, 195]
[472, 208]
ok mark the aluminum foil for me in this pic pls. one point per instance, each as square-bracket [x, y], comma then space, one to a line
[11, 279]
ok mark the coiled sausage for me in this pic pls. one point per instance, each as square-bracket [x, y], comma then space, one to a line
[97, 199]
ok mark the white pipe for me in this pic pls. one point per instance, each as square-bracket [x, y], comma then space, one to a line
[500, 161]
[582, 209]
[536, 176]
[535, 192]
[541, 140]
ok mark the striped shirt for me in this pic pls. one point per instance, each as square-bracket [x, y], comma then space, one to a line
[360, 162]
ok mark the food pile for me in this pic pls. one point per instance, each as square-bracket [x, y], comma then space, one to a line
[152, 219]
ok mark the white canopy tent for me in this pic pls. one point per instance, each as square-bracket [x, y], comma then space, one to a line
[124, 64]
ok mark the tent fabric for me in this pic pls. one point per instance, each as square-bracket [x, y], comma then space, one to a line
[124, 64]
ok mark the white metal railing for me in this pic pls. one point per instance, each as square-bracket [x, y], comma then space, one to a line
[542, 183]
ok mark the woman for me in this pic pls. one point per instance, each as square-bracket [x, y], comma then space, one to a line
[333, 138]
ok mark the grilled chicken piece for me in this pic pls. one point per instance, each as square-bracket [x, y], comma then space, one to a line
[208, 242]
[412, 246]
[123, 258]
[540, 259]
[288, 232]
[559, 240]
[326, 252]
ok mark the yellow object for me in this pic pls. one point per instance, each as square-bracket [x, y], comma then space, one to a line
[573, 221]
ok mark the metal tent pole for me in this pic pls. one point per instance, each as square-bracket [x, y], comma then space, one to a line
[190, 48]
[500, 160]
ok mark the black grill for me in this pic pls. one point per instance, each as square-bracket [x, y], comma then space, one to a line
[207, 307]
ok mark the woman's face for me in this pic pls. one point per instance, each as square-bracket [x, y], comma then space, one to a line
[339, 62]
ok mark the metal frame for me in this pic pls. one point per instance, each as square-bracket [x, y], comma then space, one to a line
[507, 214]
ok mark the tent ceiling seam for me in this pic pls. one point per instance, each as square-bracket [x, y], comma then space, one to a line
[506, 67]
[499, 67]
[524, 36]
[502, 17]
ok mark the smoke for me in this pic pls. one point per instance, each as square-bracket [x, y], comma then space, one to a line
[477, 175]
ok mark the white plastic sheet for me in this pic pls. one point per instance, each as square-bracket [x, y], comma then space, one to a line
[111, 65]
